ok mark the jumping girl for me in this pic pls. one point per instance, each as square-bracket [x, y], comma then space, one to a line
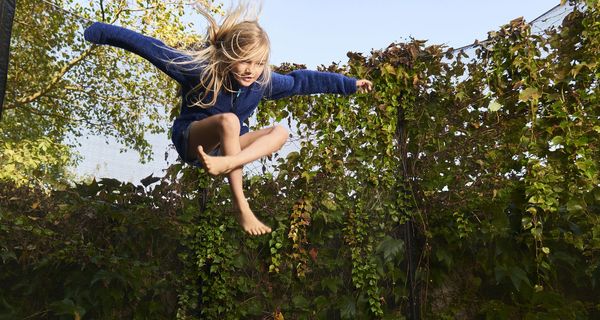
[222, 84]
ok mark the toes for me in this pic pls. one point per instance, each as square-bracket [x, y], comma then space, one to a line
[258, 231]
[264, 230]
[251, 231]
[254, 227]
[202, 154]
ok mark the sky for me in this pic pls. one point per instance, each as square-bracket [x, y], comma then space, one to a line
[316, 32]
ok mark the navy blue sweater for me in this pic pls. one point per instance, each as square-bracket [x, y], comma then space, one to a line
[242, 103]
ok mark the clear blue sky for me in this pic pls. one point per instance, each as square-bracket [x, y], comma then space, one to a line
[315, 32]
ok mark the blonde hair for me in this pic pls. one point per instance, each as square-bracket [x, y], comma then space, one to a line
[236, 39]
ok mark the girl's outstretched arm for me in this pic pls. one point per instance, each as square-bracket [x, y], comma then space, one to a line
[153, 50]
[303, 82]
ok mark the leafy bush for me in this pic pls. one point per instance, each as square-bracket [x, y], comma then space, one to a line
[463, 187]
[101, 250]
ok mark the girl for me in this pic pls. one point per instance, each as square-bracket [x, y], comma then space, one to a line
[222, 84]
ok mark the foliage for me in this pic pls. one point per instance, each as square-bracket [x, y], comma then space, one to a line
[490, 154]
[102, 250]
[33, 163]
[467, 148]
[63, 89]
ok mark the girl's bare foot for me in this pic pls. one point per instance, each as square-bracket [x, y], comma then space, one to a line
[250, 223]
[215, 165]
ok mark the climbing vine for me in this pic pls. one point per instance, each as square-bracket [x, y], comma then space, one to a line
[487, 158]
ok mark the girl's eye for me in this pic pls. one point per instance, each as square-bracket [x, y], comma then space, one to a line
[260, 64]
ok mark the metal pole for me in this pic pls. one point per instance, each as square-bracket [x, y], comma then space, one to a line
[202, 201]
[413, 294]
[7, 13]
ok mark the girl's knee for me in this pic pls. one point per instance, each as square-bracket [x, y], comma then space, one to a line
[281, 132]
[229, 122]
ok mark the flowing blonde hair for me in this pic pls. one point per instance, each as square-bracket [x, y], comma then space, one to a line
[237, 38]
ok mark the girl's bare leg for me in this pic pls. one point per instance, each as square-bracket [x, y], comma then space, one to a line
[224, 129]
[247, 218]
[259, 144]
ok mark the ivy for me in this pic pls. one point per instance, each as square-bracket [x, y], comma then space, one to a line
[489, 155]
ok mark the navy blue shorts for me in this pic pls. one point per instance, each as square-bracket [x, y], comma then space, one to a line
[193, 160]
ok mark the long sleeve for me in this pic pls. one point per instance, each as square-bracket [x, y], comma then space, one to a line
[304, 82]
[151, 49]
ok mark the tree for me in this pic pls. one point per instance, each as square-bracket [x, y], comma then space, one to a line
[61, 88]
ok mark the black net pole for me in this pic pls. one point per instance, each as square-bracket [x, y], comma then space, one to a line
[7, 13]
[413, 293]
[413, 312]
[202, 202]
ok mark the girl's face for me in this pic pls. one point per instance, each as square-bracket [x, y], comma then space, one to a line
[247, 72]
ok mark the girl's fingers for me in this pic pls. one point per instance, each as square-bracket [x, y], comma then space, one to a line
[364, 85]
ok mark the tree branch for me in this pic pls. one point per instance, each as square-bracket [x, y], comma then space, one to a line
[102, 10]
[166, 4]
[58, 116]
[56, 78]
[92, 93]
[59, 75]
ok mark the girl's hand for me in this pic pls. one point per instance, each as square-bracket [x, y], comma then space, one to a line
[364, 86]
